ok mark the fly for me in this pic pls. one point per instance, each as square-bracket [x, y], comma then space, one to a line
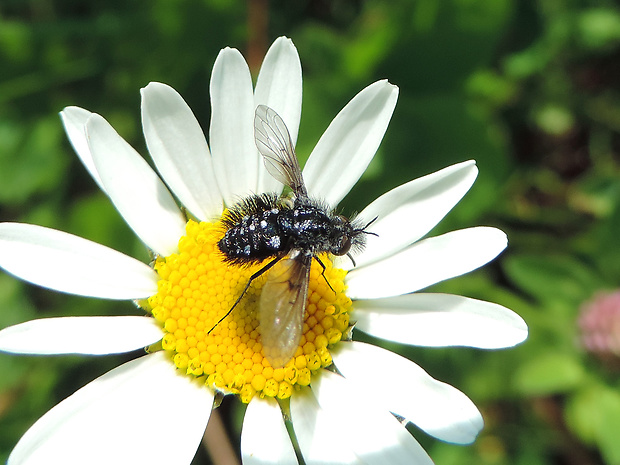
[288, 230]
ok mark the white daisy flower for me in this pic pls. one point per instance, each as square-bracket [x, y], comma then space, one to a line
[348, 401]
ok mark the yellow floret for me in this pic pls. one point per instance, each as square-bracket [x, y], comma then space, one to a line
[196, 289]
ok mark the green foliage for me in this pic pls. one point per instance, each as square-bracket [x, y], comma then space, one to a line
[550, 373]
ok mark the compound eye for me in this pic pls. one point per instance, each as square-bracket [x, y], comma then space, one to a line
[343, 247]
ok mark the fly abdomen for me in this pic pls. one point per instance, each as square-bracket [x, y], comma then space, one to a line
[254, 232]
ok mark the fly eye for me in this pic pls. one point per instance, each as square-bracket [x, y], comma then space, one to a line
[343, 246]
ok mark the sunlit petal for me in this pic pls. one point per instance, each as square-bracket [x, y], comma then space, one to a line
[374, 434]
[121, 418]
[314, 428]
[231, 135]
[179, 149]
[137, 192]
[91, 335]
[74, 120]
[427, 262]
[264, 439]
[279, 83]
[409, 212]
[439, 320]
[350, 142]
[279, 86]
[68, 263]
[436, 407]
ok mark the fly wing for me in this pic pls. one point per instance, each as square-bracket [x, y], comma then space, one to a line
[282, 307]
[275, 145]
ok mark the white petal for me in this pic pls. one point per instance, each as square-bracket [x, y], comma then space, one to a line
[92, 335]
[427, 262]
[137, 192]
[349, 143]
[373, 433]
[140, 412]
[74, 120]
[422, 202]
[68, 263]
[315, 431]
[279, 83]
[440, 320]
[264, 439]
[404, 388]
[235, 157]
[279, 86]
[180, 151]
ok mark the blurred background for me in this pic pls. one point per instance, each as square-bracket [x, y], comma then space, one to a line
[530, 89]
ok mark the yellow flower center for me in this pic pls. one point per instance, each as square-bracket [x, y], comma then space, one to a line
[197, 288]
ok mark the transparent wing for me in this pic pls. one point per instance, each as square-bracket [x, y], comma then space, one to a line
[275, 145]
[282, 307]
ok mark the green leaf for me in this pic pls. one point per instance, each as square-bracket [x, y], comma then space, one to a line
[582, 413]
[549, 373]
[550, 278]
[609, 431]
[31, 159]
[599, 27]
[593, 414]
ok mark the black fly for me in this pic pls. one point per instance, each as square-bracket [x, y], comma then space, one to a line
[291, 230]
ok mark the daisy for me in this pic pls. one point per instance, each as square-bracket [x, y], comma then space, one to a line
[348, 401]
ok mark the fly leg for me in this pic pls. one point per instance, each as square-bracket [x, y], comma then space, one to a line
[323, 273]
[247, 286]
